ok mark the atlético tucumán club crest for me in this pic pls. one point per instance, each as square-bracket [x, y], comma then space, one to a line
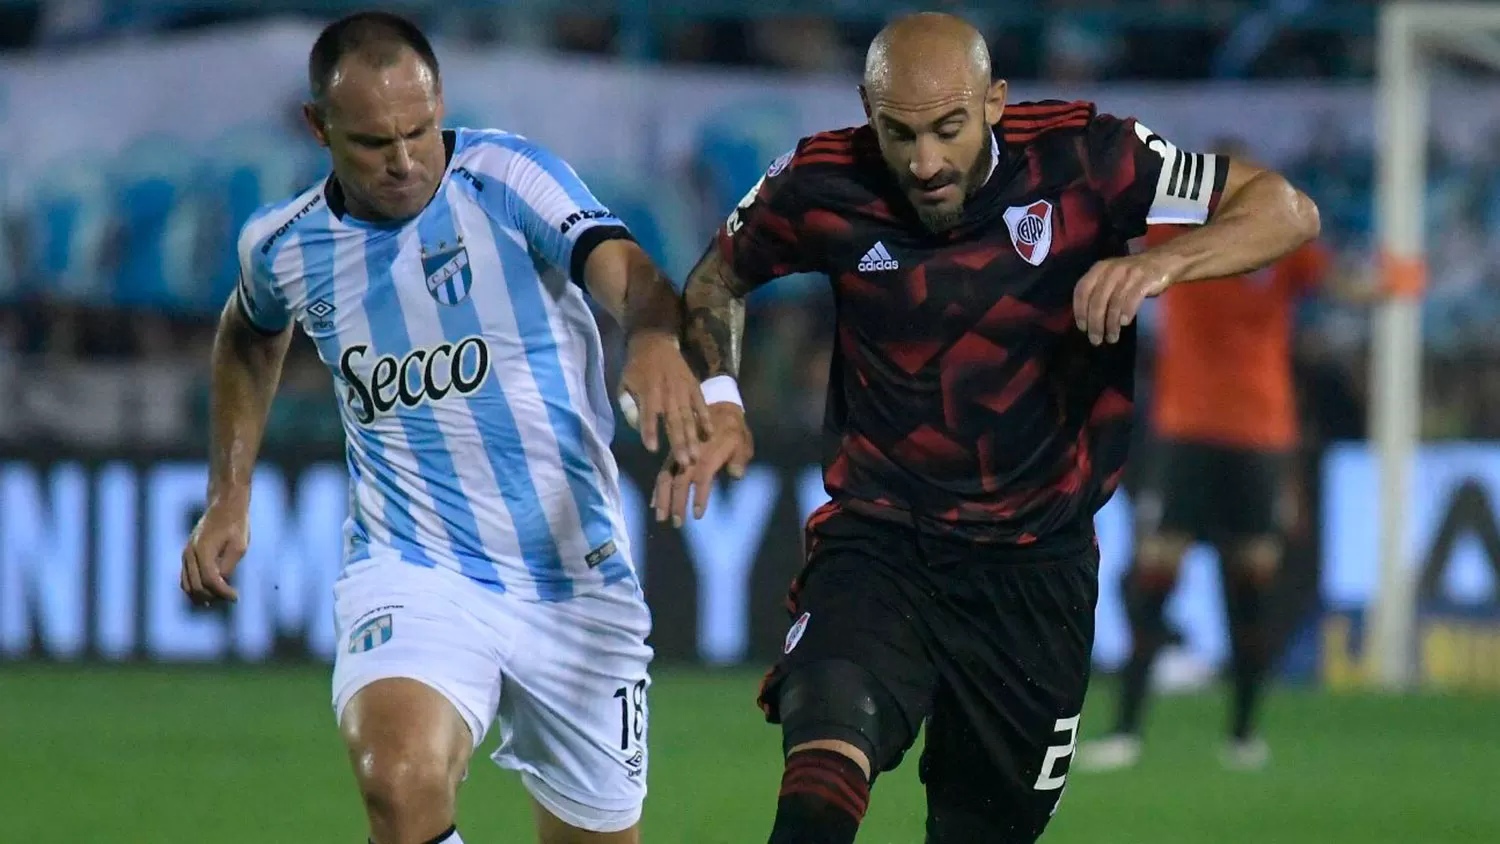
[449, 275]
[1031, 230]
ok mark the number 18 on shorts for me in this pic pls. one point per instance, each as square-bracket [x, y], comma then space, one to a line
[565, 682]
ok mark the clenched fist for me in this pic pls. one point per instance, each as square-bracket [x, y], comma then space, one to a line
[214, 548]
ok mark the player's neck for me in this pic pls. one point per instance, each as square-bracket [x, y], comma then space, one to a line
[368, 215]
[350, 209]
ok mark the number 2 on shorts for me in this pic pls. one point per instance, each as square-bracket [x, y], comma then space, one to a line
[1048, 779]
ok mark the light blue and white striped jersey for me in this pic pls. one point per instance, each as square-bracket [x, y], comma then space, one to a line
[470, 382]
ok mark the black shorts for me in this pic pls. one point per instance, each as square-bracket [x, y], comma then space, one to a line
[1217, 494]
[990, 651]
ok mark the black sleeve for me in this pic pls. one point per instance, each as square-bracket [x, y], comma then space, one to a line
[763, 240]
[588, 242]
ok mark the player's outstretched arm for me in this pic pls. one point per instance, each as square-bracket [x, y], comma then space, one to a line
[758, 243]
[1259, 218]
[656, 380]
[246, 367]
[565, 223]
[714, 302]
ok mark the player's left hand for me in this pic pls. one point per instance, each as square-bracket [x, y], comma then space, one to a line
[1110, 294]
[657, 382]
[730, 448]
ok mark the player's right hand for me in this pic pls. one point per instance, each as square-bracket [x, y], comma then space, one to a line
[656, 382]
[729, 447]
[217, 544]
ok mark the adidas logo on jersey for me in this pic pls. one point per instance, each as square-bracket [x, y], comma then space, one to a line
[878, 259]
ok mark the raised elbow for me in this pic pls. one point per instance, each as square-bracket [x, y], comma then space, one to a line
[1298, 215]
[1305, 212]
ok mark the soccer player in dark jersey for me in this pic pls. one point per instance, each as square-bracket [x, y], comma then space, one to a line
[979, 407]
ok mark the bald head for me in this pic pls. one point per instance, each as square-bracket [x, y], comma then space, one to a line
[930, 99]
[920, 50]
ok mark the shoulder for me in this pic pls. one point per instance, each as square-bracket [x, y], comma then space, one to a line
[835, 152]
[820, 162]
[472, 146]
[1047, 122]
[1069, 139]
[1031, 122]
[268, 226]
[503, 155]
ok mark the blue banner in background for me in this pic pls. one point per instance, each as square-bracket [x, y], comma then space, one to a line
[1453, 554]
[89, 556]
[134, 192]
[90, 550]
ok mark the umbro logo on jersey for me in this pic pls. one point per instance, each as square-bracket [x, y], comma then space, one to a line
[878, 259]
[320, 311]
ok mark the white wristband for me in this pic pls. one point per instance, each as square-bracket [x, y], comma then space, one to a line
[722, 388]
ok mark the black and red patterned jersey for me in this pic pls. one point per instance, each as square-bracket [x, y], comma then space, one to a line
[962, 395]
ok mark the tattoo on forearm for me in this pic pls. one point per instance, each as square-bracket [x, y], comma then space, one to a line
[713, 340]
[714, 300]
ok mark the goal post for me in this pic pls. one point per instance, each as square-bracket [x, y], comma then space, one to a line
[1410, 35]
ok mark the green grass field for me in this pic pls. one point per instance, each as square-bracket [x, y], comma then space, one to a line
[230, 756]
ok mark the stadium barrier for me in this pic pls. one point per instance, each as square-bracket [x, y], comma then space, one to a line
[90, 548]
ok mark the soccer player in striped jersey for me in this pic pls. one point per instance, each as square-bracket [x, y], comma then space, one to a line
[487, 564]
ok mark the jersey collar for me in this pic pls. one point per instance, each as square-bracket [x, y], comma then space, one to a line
[994, 155]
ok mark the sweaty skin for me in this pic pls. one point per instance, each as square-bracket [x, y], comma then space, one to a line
[380, 118]
[928, 95]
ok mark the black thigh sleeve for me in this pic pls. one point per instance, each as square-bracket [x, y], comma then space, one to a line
[855, 667]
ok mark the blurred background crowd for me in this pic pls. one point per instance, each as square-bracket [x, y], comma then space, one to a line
[1060, 40]
[120, 271]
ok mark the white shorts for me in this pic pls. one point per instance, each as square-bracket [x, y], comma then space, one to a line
[566, 680]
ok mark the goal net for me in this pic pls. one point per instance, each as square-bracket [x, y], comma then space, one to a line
[1423, 47]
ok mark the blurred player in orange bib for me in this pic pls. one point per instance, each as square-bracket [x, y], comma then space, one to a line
[1224, 421]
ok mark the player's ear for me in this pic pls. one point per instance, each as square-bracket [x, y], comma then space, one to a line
[864, 100]
[313, 115]
[994, 102]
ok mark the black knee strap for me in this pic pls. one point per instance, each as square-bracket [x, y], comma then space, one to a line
[837, 700]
